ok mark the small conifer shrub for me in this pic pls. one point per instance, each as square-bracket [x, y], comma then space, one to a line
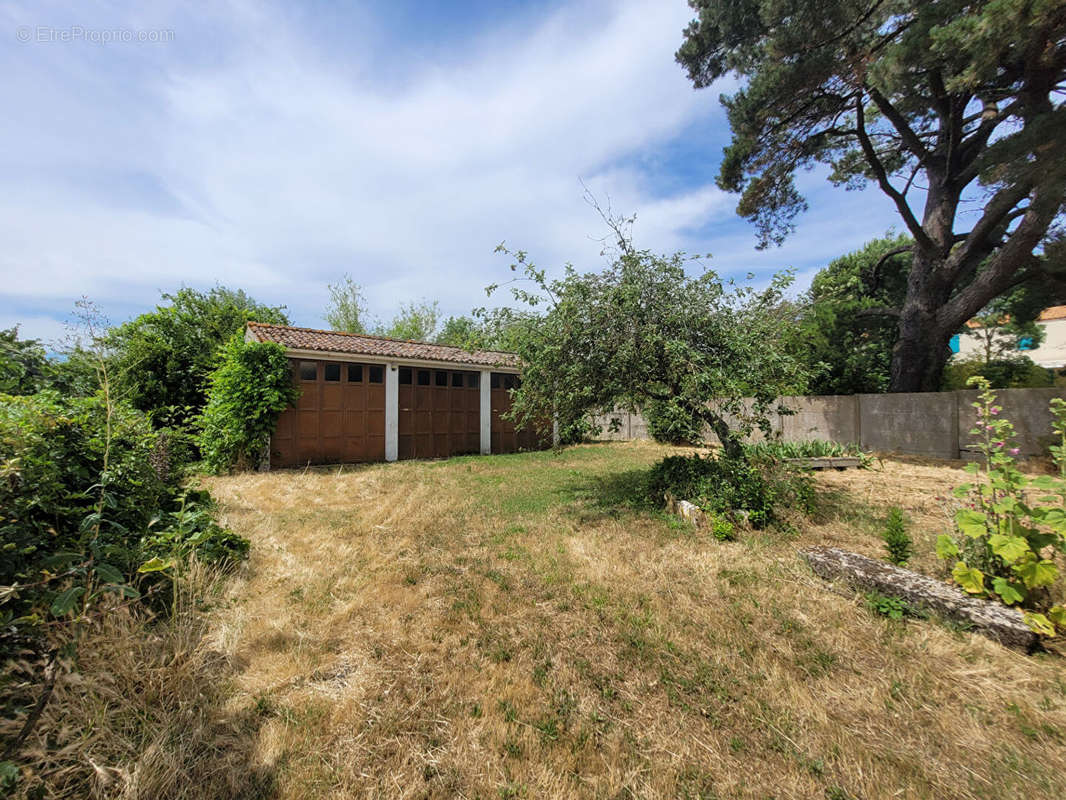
[898, 544]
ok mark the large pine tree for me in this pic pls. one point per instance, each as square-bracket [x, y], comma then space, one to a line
[953, 108]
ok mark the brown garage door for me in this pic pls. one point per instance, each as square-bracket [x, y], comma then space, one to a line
[505, 439]
[439, 413]
[339, 418]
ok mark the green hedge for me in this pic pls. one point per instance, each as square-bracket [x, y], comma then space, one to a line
[51, 473]
[55, 536]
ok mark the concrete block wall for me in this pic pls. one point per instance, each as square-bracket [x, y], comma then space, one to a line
[935, 424]
[916, 424]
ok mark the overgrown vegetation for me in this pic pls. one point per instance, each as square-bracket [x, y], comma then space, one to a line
[1013, 528]
[96, 521]
[777, 450]
[739, 491]
[246, 395]
[160, 361]
[138, 710]
[59, 463]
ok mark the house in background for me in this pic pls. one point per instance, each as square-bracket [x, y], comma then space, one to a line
[368, 398]
[1050, 354]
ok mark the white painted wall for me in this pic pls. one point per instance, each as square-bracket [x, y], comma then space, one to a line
[1051, 353]
[485, 383]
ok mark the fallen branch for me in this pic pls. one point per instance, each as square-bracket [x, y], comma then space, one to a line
[994, 620]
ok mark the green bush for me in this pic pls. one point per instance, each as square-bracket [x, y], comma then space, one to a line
[815, 448]
[86, 499]
[192, 529]
[670, 424]
[247, 394]
[52, 474]
[898, 543]
[722, 529]
[1013, 372]
[721, 485]
[730, 488]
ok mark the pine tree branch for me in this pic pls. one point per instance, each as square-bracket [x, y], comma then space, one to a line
[878, 168]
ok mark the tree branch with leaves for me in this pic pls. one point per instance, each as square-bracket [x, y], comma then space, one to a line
[644, 331]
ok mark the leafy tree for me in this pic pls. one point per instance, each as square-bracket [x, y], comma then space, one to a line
[24, 366]
[416, 321]
[460, 332]
[842, 336]
[162, 359]
[643, 331]
[74, 372]
[347, 307]
[488, 329]
[1009, 372]
[848, 341]
[963, 100]
[249, 390]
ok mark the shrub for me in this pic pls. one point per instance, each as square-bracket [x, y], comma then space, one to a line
[722, 529]
[1009, 372]
[670, 424]
[718, 484]
[815, 448]
[56, 466]
[87, 496]
[87, 490]
[1013, 526]
[192, 529]
[247, 394]
[898, 543]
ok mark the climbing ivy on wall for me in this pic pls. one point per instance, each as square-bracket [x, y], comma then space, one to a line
[246, 395]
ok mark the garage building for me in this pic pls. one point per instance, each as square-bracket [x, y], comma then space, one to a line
[368, 398]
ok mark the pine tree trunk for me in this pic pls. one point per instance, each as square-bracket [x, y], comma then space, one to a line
[922, 348]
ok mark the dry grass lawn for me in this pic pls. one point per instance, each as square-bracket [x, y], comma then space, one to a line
[507, 626]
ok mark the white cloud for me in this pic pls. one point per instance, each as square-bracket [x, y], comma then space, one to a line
[247, 152]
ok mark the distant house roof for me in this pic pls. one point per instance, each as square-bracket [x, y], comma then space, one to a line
[363, 345]
[1048, 314]
[1055, 312]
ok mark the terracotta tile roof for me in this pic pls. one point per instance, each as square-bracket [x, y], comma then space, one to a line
[359, 344]
[1048, 314]
[1055, 312]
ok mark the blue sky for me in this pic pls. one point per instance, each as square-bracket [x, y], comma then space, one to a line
[275, 147]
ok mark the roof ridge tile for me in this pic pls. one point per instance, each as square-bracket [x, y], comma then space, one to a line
[295, 337]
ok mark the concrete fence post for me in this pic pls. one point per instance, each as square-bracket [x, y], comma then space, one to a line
[857, 411]
[956, 434]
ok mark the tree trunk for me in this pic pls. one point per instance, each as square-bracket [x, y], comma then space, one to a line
[921, 351]
[731, 444]
[919, 356]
